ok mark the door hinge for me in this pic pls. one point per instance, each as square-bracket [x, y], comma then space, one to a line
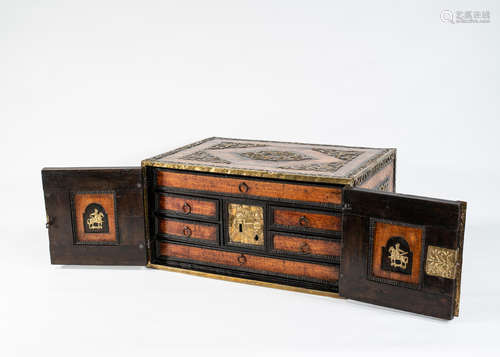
[346, 207]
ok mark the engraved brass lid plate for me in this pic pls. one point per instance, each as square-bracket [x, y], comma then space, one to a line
[279, 160]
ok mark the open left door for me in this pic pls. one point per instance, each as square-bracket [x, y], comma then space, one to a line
[402, 251]
[95, 216]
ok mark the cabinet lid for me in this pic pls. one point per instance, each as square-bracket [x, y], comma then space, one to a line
[402, 251]
[95, 216]
[279, 160]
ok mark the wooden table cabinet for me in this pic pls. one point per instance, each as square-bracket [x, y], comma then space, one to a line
[314, 218]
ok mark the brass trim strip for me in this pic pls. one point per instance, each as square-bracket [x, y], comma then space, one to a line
[246, 281]
[250, 173]
[460, 248]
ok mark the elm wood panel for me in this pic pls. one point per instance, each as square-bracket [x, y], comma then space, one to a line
[107, 201]
[252, 262]
[188, 229]
[353, 283]
[441, 219]
[403, 208]
[306, 246]
[386, 173]
[259, 188]
[306, 219]
[187, 205]
[413, 235]
[58, 183]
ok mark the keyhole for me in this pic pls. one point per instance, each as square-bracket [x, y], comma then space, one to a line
[256, 237]
[241, 228]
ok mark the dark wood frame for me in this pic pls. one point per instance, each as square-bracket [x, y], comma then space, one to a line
[126, 183]
[152, 190]
[443, 226]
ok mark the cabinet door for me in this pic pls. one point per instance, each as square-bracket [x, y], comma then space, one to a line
[402, 251]
[95, 216]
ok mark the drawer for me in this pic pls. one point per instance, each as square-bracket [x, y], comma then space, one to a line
[248, 262]
[250, 187]
[305, 220]
[187, 230]
[188, 206]
[305, 246]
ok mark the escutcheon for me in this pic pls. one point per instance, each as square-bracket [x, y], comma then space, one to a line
[246, 224]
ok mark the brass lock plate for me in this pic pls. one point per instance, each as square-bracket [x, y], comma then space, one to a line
[246, 224]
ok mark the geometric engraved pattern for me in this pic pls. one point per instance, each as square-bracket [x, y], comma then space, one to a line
[341, 155]
[441, 262]
[330, 167]
[234, 145]
[271, 155]
[205, 157]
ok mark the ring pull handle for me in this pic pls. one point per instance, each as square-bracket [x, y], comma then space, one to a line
[187, 231]
[243, 187]
[186, 208]
[303, 221]
[305, 248]
[242, 259]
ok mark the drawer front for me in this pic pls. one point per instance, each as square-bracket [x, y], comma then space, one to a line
[325, 273]
[305, 220]
[188, 230]
[188, 206]
[250, 187]
[327, 249]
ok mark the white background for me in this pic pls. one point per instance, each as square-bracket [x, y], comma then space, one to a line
[107, 83]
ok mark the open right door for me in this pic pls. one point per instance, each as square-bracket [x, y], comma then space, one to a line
[402, 251]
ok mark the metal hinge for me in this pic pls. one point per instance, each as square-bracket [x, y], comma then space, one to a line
[346, 207]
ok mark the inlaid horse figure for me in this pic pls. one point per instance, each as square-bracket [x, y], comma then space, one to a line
[398, 257]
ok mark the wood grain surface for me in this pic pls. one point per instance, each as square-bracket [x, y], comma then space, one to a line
[188, 205]
[188, 229]
[306, 246]
[251, 262]
[257, 188]
[107, 201]
[306, 219]
[126, 182]
[440, 221]
[387, 173]
[383, 232]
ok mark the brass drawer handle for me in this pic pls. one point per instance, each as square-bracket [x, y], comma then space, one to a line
[243, 187]
[186, 208]
[242, 259]
[305, 248]
[303, 221]
[187, 231]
